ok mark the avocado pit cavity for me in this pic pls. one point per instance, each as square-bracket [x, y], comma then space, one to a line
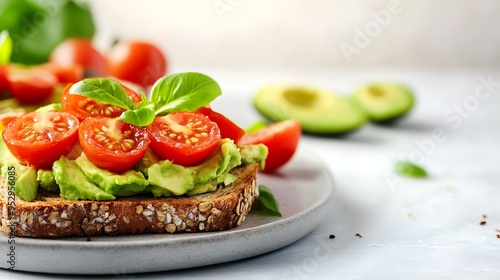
[300, 97]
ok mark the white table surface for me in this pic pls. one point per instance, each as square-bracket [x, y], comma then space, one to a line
[411, 229]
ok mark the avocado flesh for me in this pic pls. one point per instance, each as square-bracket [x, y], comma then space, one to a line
[23, 177]
[318, 111]
[178, 180]
[384, 102]
[46, 180]
[74, 185]
[128, 183]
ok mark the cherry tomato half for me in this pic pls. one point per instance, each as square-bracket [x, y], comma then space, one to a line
[83, 107]
[29, 85]
[39, 139]
[6, 118]
[111, 144]
[228, 129]
[281, 139]
[138, 62]
[65, 74]
[184, 138]
[80, 52]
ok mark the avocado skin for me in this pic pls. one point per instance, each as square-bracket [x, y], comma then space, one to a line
[125, 184]
[320, 112]
[74, 185]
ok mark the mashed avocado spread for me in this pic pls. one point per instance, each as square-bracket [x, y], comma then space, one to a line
[80, 179]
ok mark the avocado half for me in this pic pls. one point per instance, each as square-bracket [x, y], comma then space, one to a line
[318, 111]
[384, 102]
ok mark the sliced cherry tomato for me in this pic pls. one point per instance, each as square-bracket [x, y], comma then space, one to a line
[281, 139]
[30, 85]
[6, 118]
[83, 107]
[111, 144]
[39, 139]
[80, 52]
[228, 129]
[65, 74]
[138, 62]
[184, 138]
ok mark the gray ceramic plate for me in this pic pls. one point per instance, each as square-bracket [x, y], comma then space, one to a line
[302, 188]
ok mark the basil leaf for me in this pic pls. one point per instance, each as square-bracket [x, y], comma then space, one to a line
[5, 47]
[256, 126]
[408, 169]
[143, 115]
[104, 91]
[37, 27]
[183, 92]
[266, 204]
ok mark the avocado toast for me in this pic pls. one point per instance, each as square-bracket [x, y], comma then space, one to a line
[154, 166]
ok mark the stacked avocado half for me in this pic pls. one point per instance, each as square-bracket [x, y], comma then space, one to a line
[324, 112]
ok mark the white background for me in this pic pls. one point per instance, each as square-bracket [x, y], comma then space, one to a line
[300, 35]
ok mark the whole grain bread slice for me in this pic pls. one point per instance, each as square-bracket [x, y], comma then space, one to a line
[53, 216]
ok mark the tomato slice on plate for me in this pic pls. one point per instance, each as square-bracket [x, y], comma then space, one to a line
[83, 107]
[112, 144]
[39, 139]
[281, 139]
[31, 84]
[228, 129]
[184, 138]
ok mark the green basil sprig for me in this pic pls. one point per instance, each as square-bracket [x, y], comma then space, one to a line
[177, 92]
[5, 47]
[183, 92]
[266, 204]
[104, 91]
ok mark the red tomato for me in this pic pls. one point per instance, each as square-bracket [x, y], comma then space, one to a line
[138, 62]
[80, 52]
[65, 74]
[2, 79]
[6, 118]
[39, 139]
[111, 144]
[228, 129]
[281, 139]
[83, 107]
[184, 138]
[30, 85]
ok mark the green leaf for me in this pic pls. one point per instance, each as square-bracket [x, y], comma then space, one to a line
[143, 115]
[266, 204]
[5, 47]
[37, 27]
[256, 126]
[408, 169]
[183, 92]
[104, 91]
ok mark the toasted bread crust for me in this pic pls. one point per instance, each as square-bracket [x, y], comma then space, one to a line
[50, 216]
